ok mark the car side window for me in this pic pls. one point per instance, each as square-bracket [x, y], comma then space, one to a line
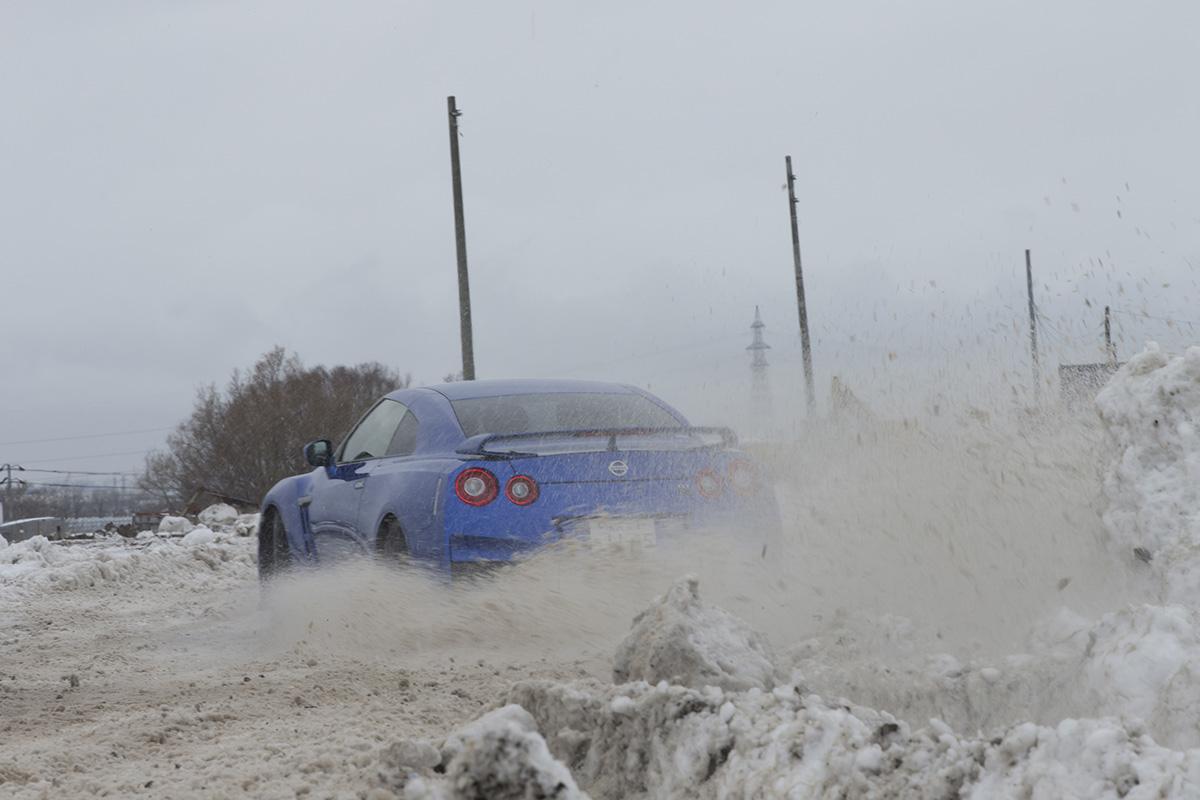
[404, 441]
[374, 434]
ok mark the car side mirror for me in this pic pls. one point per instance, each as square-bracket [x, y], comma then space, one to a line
[319, 453]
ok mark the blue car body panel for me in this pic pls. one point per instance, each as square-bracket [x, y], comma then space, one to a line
[340, 508]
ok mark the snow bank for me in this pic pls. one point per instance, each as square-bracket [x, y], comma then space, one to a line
[688, 743]
[1135, 663]
[969, 694]
[694, 714]
[1151, 410]
[1144, 663]
[224, 548]
[681, 640]
[38, 564]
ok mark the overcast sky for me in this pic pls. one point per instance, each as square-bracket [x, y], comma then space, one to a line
[185, 185]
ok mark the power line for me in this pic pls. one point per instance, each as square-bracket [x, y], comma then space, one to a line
[1143, 315]
[86, 436]
[83, 458]
[1058, 335]
[85, 486]
[80, 472]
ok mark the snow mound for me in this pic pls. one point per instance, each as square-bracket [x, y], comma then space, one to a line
[1151, 410]
[681, 640]
[38, 564]
[3, 543]
[969, 695]
[246, 525]
[171, 524]
[688, 743]
[1144, 663]
[1135, 663]
[197, 536]
[218, 515]
[499, 756]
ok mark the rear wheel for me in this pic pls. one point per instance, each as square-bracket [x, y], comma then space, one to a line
[274, 554]
[390, 545]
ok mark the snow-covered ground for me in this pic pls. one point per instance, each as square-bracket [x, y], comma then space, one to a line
[983, 612]
[35, 565]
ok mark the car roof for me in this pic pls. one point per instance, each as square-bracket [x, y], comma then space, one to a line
[466, 390]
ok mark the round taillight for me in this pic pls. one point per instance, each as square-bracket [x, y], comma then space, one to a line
[743, 477]
[708, 483]
[476, 486]
[521, 489]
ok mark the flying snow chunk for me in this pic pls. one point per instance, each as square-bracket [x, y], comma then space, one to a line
[683, 641]
[218, 515]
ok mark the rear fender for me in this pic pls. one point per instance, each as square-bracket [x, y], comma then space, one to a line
[412, 491]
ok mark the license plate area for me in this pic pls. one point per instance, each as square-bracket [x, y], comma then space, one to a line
[622, 533]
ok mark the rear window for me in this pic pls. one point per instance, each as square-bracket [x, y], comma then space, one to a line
[530, 413]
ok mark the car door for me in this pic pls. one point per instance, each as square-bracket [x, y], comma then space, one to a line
[333, 513]
[385, 479]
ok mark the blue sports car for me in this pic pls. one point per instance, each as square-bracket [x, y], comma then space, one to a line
[467, 474]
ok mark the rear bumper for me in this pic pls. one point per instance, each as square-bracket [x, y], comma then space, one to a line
[512, 538]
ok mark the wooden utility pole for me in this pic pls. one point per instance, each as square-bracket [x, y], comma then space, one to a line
[1033, 348]
[805, 345]
[1108, 342]
[460, 243]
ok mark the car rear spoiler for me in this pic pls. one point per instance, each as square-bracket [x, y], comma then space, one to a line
[477, 445]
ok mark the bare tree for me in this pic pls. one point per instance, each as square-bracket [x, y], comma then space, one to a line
[243, 440]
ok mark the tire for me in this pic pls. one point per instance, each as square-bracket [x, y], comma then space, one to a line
[390, 545]
[274, 554]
